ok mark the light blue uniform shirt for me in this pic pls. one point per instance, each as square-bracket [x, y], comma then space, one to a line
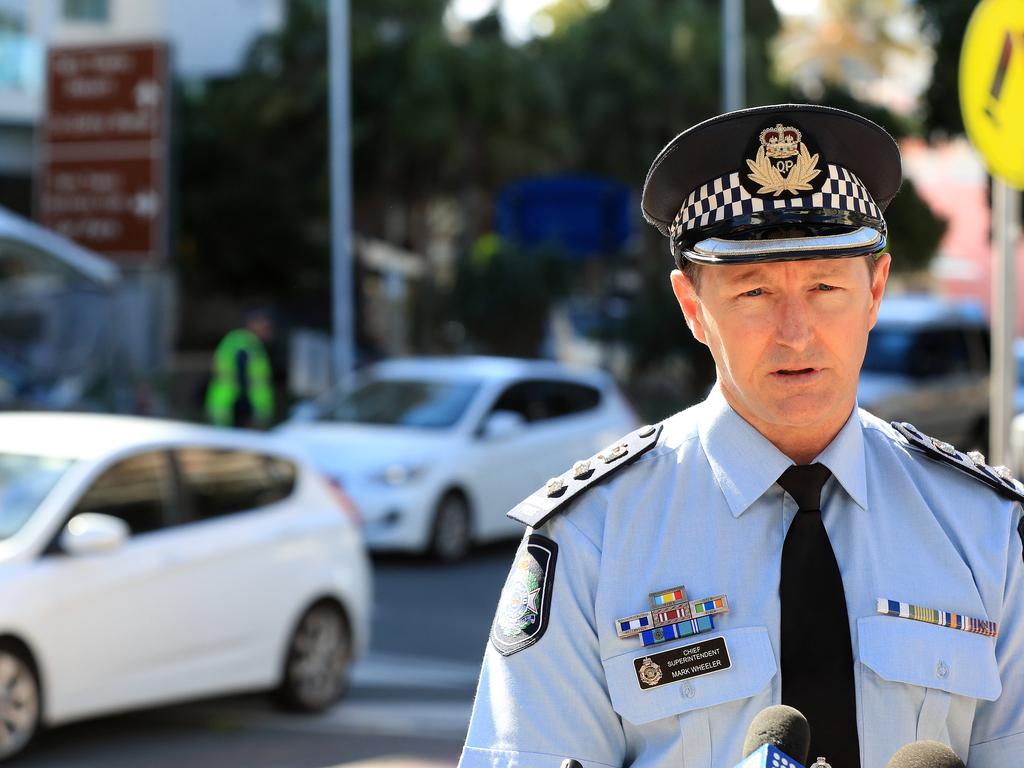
[702, 509]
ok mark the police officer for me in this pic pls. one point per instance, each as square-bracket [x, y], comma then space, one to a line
[241, 389]
[774, 543]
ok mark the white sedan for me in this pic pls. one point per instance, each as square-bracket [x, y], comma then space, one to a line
[144, 561]
[435, 451]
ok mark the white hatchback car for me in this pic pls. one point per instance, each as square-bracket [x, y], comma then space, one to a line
[435, 451]
[145, 561]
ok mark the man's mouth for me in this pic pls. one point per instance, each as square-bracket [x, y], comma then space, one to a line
[795, 371]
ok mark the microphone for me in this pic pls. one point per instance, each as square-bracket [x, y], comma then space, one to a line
[925, 754]
[571, 764]
[782, 727]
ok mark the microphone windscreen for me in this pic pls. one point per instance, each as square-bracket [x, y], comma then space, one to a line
[925, 754]
[782, 727]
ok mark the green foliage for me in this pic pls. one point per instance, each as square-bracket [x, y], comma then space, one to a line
[655, 328]
[503, 296]
[453, 116]
[252, 178]
[914, 230]
[947, 20]
[636, 73]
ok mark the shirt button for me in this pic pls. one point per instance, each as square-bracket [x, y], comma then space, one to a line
[689, 691]
[942, 670]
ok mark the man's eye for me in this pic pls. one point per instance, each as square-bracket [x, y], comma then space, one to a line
[825, 287]
[754, 292]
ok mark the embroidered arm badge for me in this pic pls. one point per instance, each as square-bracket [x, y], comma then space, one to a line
[524, 608]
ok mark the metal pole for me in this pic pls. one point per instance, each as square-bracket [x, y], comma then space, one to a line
[733, 56]
[1005, 233]
[341, 190]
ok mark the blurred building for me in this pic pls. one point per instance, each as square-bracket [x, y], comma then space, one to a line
[208, 38]
[951, 178]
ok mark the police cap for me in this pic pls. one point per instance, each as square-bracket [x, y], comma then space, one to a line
[774, 183]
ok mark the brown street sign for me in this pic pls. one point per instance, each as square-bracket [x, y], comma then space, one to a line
[111, 207]
[105, 94]
[103, 150]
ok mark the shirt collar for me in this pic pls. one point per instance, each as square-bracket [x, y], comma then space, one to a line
[745, 464]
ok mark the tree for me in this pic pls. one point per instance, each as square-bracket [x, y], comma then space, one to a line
[851, 44]
[503, 296]
[946, 24]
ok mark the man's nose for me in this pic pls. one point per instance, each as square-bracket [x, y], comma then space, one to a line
[794, 326]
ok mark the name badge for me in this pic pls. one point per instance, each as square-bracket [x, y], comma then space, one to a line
[682, 663]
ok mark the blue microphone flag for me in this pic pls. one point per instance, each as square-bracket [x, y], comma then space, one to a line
[768, 756]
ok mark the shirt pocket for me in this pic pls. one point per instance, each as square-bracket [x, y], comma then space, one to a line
[922, 681]
[752, 667]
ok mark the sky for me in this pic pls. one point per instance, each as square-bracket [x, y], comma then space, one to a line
[518, 14]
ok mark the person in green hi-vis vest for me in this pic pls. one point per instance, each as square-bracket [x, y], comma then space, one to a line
[241, 391]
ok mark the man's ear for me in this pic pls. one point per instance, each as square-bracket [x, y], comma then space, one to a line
[686, 295]
[878, 280]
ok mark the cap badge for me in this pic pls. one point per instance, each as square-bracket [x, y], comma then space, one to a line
[783, 162]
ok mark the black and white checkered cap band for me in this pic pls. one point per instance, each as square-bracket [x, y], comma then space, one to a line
[725, 198]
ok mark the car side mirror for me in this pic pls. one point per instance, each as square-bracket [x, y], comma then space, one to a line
[502, 424]
[91, 533]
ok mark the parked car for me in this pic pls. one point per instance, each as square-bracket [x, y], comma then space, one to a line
[144, 561]
[435, 451]
[927, 362]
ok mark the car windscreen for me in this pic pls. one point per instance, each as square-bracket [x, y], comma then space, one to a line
[889, 350]
[433, 404]
[24, 482]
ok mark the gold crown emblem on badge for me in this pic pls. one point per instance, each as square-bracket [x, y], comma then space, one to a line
[780, 141]
[783, 162]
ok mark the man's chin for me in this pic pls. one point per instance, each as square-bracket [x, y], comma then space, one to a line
[806, 409]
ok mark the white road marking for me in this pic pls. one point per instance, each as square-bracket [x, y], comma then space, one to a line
[390, 670]
[395, 762]
[417, 714]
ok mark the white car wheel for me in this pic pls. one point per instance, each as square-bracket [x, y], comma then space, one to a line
[319, 659]
[19, 702]
[451, 536]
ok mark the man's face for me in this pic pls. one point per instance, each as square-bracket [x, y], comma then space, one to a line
[788, 338]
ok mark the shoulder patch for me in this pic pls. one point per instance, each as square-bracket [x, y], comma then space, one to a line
[997, 478]
[525, 604]
[544, 503]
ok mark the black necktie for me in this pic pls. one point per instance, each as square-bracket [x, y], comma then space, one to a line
[817, 659]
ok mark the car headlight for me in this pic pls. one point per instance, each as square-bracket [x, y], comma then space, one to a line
[396, 475]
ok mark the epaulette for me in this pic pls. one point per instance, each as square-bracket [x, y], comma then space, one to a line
[998, 478]
[540, 506]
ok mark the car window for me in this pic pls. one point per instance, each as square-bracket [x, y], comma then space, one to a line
[525, 398]
[939, 353]
[537, 400]
[220, 482]
[404, 402]
[916, 352]
[563, 398]
[888, 350]
[137, 490]
[24, 483]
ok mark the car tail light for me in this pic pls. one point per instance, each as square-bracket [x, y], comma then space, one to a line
[344, 501]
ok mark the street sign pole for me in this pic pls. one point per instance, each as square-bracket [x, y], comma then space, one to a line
[342, 299]
[733, 56]
[1005, 234]
[992, 104]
